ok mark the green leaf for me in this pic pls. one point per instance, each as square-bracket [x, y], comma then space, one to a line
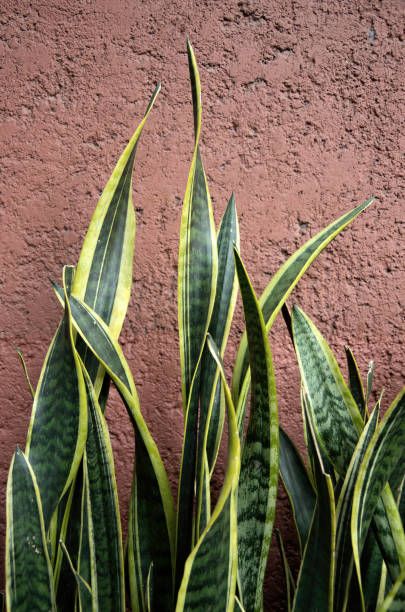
[284, 281]
[344, 554]
[337, 422]
[209, 580]
[355, 382]
[298, 487]
[198, 259]
[258, 481]
[29, 584]
[26, 374]
[152, 499]
[103, 276]
[212, 407]
[103, 509]
[395, 599]
[315, 580]
[197, 279]
[385, 451]
[85, 594]
[288, 577]
[334, 413]
[58, 427]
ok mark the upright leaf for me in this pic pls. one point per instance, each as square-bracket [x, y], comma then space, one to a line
[197, 279]
[384, 453]
[198, 258]
[209, 580]
[355, 382]
[315, 581]
[298, 487]
[103, 276]
[29, 583]
[257, 490]
[211, 399]
[344, 554]
[58, 427]
[284, 281]
[337, 424]
[103, 509]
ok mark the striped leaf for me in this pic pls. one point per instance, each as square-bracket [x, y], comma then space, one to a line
[315, 580]
[384, 453]
[344, 555]
[337, 423]
[198, 260]
[151, 498]
[335, 415]
[257, 490]
[298, 487]
[209, 580]
[284, 281]
[355, 382]
[58, 427]
[29, 582]
[103, 276]
[103, 511]
[211, 400]
[288, 577]
[197, 279]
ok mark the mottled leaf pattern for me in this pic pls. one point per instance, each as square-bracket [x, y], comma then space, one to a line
[58, 426]
[29, 581]
[209, 579]
[258, 481]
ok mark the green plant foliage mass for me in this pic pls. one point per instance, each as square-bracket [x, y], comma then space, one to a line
[64, 543]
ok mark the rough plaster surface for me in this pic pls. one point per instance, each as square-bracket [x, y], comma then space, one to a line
[302, 120]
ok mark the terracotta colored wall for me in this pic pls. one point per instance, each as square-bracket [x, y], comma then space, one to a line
[301, 119]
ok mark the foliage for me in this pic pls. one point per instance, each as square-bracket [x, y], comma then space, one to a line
[64, 548]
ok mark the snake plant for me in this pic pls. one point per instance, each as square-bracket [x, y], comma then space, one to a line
[351, 531]
[64, 542]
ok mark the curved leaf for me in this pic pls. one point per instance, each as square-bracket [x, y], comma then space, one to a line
[284, 281]
[58, 427]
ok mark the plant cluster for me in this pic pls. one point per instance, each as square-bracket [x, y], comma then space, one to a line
[64, 545]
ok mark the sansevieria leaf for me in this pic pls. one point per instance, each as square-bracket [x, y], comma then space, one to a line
[198, 258]
[29, 581]
[355, 382]
[211, 413]
[103, 276]
[209, 580]
[103, 510]
[337, 424]
[257, 491]
[58, 427]
[298, 486]
[314, 589]
[344, 554]
[284, 281]
[151, 498]
[384, 453]
[197, 279]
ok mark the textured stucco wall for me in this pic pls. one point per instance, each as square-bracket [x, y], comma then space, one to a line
[302, 120]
